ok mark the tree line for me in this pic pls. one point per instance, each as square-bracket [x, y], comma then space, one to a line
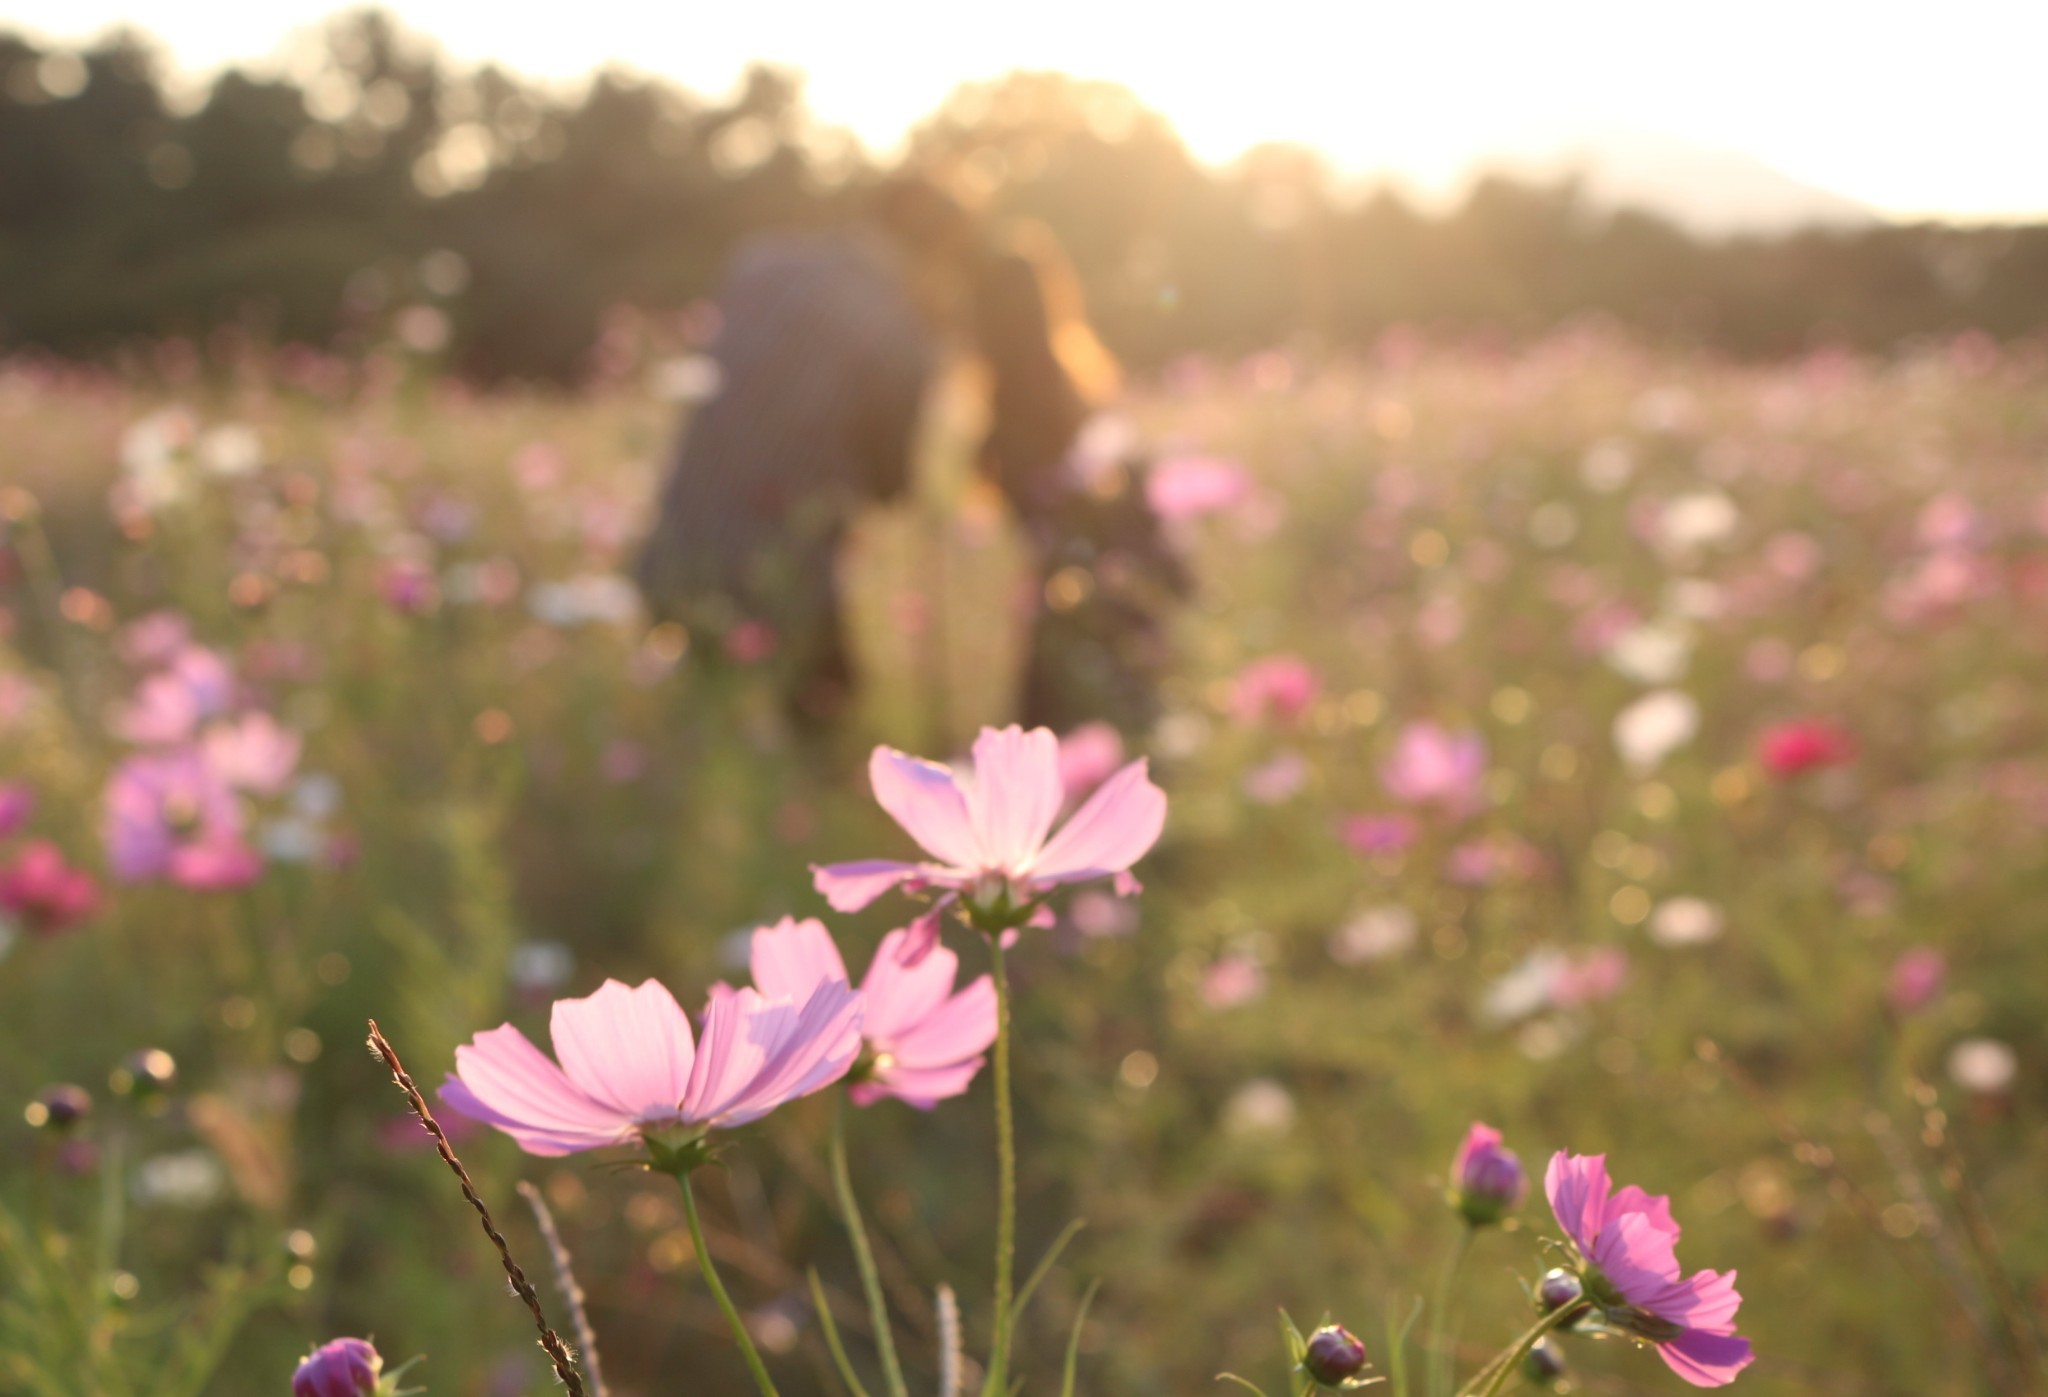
[306, 208]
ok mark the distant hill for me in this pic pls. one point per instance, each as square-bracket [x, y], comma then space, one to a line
[1709, 191]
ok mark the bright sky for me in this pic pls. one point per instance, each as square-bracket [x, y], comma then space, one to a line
[1910, 108]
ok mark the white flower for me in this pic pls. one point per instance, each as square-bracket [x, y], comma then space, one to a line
[183, 1179]
[689, 378]
[1606, 466]
[1685, 921]
[1655, 726]
[1374, 934]
[230, 450]
[1655, 652]
[1695, 599]
[1260, 1107]
[1523, 990]
[1982, 1065]
[1692, 522]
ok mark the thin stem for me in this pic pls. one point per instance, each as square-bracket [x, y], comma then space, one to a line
[1439, 1316]
[1504, 1362]
[725, 1305]
[567, 1286]
[864, 1258]
[997, 1383]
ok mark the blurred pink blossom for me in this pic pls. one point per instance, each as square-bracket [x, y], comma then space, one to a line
[1279, 778]
[254, 753]
[1378, 834]
[44, 892]
[152, 640]
[1794, 748]
[17, 804]
[170, 704]
[1917, 977]
[1588, 977]
[1432, 765]
[170, 815]
[1274, 689]
[1232, 980]
[1088, 755]
[1188, 487]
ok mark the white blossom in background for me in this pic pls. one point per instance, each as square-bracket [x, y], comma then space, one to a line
[1655, 652]
[1685, 921]
[1655, 726]
[230, 451]
[1374, 934]
[1689, 524]
[1983, 1065]
[1260, 1107]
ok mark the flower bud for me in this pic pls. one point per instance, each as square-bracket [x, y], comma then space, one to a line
[1543, 1364]
[144, 1074]
[339, 1368]
[59, 1107]
[1333, 1357]
[1487, 1180]
[1557, 1289]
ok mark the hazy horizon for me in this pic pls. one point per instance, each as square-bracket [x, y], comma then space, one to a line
[1905, 120]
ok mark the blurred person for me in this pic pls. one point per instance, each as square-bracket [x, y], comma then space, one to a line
[827, 343]
[1068, 470]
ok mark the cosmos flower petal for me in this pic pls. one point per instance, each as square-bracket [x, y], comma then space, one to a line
[516, 1082]
[628, 1048]
[922, 1087]
[849, 887]
[924, 798]
[900, 995]
[962, 1027]
[1577, 1186]
[1706, 1360]
[1109, 833]
[1016, 793]
[791, 958]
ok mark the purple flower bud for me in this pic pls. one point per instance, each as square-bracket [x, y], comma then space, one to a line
[59, 1107]
[338, 1368]
[1543, 1364]
[1557, 1289]
[1487, 1180]
[1334, 1356]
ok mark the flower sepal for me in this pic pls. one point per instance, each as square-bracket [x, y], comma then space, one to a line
[676, 1153]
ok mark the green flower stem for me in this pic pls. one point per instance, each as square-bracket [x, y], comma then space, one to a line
[1504, 1362]
[997, 1383]
[1440, 1357]
[864, 1257]
[732, 1315]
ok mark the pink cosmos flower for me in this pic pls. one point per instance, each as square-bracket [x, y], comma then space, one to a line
[1187, 487]
[989, 833]
[1088, 755]
[1589, 977]
[1487, 1179]
[1377, 834]
[1233, 980]
[17, 803]
[923, 1042]
[1627, 1260]
[1433, 766]
[255, 754]
[339, 1368]
[1274, 689]
[1805, 744]
[170, 815]
[170, 705]
[630, 1066]
[46, 893]
[1917, 977]
[155, 639]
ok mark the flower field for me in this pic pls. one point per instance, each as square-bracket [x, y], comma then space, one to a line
[1641, 755]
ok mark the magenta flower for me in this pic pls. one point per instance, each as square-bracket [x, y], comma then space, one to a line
[196, 684]
[1487, 1179]
[255, 754]
[1805, 744]
[17, 803]
[1377, 834]
[1433, 766]
[987, 833]
[1917, 977]
[630, 1068]
[47, 894]
[1275, 689]
[339, 1368]
[1627, 1260]
[170, 815]
[922, 1042]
